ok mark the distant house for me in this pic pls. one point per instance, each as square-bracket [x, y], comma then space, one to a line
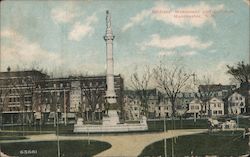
[236, 103]
[244, 90]
[163, 110]
[133, 104]
[239, 101]
[215, 107]
[132, 108]
[216, 90]
[195, 107]
[159, 105]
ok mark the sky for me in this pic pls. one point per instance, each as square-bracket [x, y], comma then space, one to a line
[66, 37]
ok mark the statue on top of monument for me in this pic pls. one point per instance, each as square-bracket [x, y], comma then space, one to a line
[108, 19]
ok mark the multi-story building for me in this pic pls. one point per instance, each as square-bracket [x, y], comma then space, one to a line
[16, 91]
[194, 108]
[37, 97]
[236, 103]
[158, 104]
[133, 100]
[244, 90]
[215, 107]
[132, 107]
[215, 90]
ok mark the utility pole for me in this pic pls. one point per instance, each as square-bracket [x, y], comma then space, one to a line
[65, 112]
[165, 140]
[57, 130]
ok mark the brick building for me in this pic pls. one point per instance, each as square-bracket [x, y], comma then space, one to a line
[32, 96]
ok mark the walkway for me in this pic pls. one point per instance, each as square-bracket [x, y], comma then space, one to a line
[122, 144]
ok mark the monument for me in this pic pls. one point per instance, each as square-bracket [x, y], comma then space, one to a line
[110, 93]
[110, 122]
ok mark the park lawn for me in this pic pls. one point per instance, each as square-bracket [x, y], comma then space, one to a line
[44, 129]
[218, 143]
[153, 126]
[177, 124]
[12, 138]
[78, 148]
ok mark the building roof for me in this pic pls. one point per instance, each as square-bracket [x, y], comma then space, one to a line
[151, 92]
[31, 73]
[243, 89]
[215, 87]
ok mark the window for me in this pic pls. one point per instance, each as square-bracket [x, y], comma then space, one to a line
[220, 93]
[219, 105]
[220, 112]
[214, 112]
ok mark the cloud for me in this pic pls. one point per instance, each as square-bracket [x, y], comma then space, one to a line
[174, 42]
[20, 50]
[216, 72]
[189, 53]
[194, 15]
[136, 19]
[247, 2]
[80, 30]
[171, 53]
[166, 53]
[64, 14]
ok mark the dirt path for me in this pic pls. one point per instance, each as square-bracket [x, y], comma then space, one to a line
[122, 144]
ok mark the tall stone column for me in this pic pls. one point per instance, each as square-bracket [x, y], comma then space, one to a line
[110, 93]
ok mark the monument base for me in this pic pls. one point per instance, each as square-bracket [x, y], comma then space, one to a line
[110, 123]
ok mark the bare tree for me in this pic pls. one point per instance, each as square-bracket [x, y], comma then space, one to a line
[5, 90]
[241, 72]
[93, 95]
[205, 92]
[140, 83]
[171, 81]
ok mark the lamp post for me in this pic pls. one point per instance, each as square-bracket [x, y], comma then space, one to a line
[237, 120]
[57, 134]
[165, 140]
[57, 126]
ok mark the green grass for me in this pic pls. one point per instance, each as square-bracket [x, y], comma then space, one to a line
[219, 143]
[31, 130]
[12, 138]
[177, 124]
[49, 148]
[154, 126]
[244, 123]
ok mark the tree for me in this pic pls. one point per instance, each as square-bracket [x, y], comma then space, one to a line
[205, 92]
[5, 90]
[240, 72]
[94, 96]
[171, 81]
[140, 83]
